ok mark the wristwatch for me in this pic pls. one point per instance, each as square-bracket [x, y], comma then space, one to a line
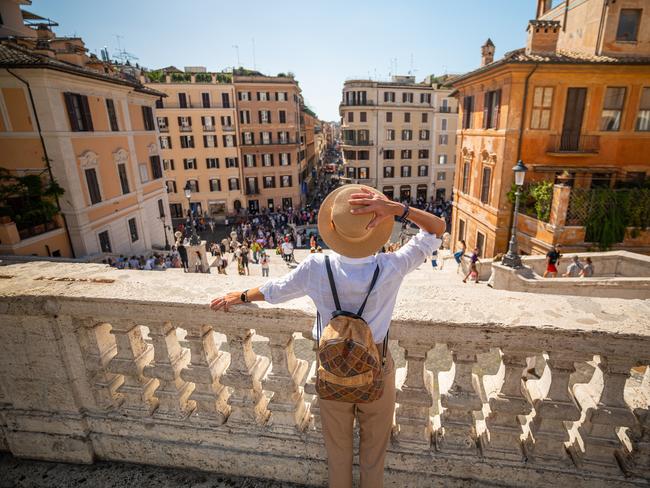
[405, 215]
[244, 297]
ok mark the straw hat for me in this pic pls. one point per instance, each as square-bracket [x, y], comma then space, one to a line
[345, 232]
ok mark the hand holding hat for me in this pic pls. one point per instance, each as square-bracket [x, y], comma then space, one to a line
[369, 202]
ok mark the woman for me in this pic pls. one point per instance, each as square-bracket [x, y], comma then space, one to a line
[458, 255]
[355, 221]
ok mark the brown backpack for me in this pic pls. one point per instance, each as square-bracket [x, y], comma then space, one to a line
[350, 366]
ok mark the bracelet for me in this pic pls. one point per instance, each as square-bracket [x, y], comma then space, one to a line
[405, 214]
[244, 297]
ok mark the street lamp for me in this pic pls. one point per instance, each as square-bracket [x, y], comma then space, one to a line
[512, 258]
[194, 238]
[165, 229]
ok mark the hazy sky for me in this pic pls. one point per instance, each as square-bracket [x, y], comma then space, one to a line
[322, 42]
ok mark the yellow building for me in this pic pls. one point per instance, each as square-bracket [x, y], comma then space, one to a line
[65, 116]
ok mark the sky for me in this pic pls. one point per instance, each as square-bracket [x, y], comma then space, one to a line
[322, 42]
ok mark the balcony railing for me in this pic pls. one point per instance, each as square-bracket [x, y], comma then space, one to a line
[357, 103]
[353, 142]
[574, 143]
[208, 128]
[163, 129]
[36, 230]
[185, 128]
[444, 110]
[228, 128]
[489, 396]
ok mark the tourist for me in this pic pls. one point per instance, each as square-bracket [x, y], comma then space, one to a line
[264, 261]
[352, 208]
[552, 260]
[256, 248]
[245, 258]
[198, 267]
[472, 274]
[458, 255]
[574, 269]
[287, 250]
[587, 270]
[434, 259]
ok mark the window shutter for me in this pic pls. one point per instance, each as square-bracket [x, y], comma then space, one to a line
[88, 121]
[486, 109]
[259, 115]
[71, 115]
[497, 108]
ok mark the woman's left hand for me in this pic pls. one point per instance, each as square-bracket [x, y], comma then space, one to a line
[232, 298]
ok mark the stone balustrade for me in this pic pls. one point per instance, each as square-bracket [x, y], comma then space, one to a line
[134, 367]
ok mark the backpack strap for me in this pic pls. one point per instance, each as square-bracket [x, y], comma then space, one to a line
[330, 276]
[372, 285]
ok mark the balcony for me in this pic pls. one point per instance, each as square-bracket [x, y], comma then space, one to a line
[352, 142]
[163, 129]
[444, 110]
[573, 144]
[208, 128]
[185, 128]
[364, 103]
[228, 128]
[36, 230]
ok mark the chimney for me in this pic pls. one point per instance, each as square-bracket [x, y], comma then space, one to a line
[542, 37]
[487, 52]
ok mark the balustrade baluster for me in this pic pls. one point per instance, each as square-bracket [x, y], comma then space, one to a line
[414, 428]
[504, 427]
[641, 439]
[207, 364]
[461, 402]
[603, 450]
[169, 358]
[133, 354]
[289, 412]
[558, 406]
[310, 388]
[97, 354]
[247, 400]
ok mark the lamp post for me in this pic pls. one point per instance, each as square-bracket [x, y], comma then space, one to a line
[165, 229]
[512, 258]
[194, 238]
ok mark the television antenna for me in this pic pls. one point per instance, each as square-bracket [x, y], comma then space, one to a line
[123, 55]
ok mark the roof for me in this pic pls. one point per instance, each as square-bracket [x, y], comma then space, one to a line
[13, 55]
[519, 56]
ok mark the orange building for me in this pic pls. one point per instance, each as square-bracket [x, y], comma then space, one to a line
[575, 108]
[66, 116]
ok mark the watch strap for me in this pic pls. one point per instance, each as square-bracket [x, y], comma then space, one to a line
[244, 297]
[405, 214]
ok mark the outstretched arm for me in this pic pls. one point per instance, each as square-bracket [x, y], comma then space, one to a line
[234, 298]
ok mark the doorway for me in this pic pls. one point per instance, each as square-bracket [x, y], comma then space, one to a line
[573, 115]
[253, 206]
[421, 193]
[405, 193]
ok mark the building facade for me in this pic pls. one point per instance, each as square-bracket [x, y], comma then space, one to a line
[67, 117]
[579, 118]
[397, 137]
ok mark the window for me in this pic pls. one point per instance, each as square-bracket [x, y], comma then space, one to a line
[249, 160]
[350, 116]
[405, 171]
[425, 98]
[485, 185]
[443, 124]
[285, 181]
[362, 117]
[540, 118]
[133, 230]
[210, 141]
[442, 159]
[194, 185]
[264, 116]
[363, 155]
[283, 137]
[215, 184]
[389, 97]
[461, 230]
[406, 154]
[189, 163]
[491, 109]
[104, 241]
[163, 124]
[389, 116]
[93, 186]
[350, 155]
[226, 121]
[465, 182]
[208, 122]
[244, 96]
[443, 139]
[156, 169]
[147, 117]
[390, 134]
[212, 163]
[441, 176]
[263, 96]
[225, 100]
[285, 159]
[407, 134]
[389, 154]
[425, 118]
[283, 116]
[159, 103]
[168, 164]
[144, 173]
[424, 135]
[187, 142]
[266, 137]
[352, 173]
[389, 171]
[171, 186]
[233, 184]
[269, 182]
[112, 116]
[232, 163]
[480, 243]
[185, 124]
[78, 112]
[281, 96]
[423, 170]
[124, 181]
[182, 100]
[228, 141]
[205, 99]
[612, 109]
[161, 209]
[423, 154]
[267, 160]
[407, 117]
[363, 173]
[245, 116]
[247, 138]
[643, 117]
[407, 97]
[468, 108]
[165, 142]
[628, 24]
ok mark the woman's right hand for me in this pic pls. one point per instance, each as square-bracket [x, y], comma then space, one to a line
[232, 298]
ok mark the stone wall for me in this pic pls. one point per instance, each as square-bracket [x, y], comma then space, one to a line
[132, 366]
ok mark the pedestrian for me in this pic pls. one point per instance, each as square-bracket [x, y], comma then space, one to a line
[198, 265]
[473, 267]
[458, 255]
[552, 260]
[574, 269]
[182, 252]
[245, 257]
[264, 261]
[287, 250]
[355, 221]
[434, 259]
[587, 270]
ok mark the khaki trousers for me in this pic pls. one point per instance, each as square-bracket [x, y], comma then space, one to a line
[375, 425]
